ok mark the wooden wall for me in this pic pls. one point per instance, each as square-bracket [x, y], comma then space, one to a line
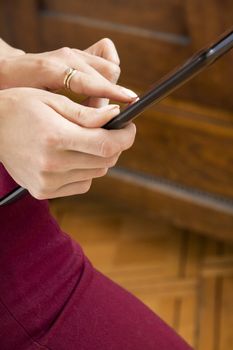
[182, 163]
[152, 36]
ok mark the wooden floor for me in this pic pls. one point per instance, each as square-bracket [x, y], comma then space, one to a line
[185, 278]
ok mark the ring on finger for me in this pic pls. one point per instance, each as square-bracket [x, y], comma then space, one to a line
[70, 72]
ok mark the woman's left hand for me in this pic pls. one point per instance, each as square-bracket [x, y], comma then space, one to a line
[97, 72]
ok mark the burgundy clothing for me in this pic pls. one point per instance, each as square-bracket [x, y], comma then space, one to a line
[51, 297]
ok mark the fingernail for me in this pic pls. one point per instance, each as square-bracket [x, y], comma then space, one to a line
[129, 93]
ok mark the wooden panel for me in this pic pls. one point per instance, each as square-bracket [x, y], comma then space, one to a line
[22, 23]
[189, 147]
[216, 299]
[226, 338]
[152, 38]
[186, 146]
[184, 277]
[144, 53]
[183, 208]
[207, 20]
[4, 29]
[157, 15]
[138, 54]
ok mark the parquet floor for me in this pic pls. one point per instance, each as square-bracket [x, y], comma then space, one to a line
[186, 278]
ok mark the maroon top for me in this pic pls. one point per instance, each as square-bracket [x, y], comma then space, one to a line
[52, 298]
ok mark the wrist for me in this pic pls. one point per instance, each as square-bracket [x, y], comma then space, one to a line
[7, 50]
[3, 73]
[17, 52]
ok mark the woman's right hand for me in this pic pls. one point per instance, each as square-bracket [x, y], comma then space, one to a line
[53, 146]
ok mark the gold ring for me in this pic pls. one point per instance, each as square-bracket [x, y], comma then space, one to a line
[70, 72]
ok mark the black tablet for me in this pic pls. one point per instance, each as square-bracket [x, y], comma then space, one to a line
[163, 88]
[174, 80]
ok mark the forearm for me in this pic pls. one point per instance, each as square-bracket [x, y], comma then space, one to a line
[7, 50]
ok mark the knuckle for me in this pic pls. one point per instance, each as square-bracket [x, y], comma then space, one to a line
[111, 162]
[45, 185]
[40, 192]
[43, 63]
[37, 195]
[47, 164]
[107, 41]
[42, 184]
[65, 51]
[50, 140]
[80, 116]
[131, 137]
[18, 52]
[101, 172]
[106, 148]
[84, 81]
[85, 187]
[63, 99]
[114, 71]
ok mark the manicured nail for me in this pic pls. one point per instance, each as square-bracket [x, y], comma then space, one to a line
[129, 93]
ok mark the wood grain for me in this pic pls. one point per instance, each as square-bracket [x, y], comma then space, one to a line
[152, 37]
[166, 17]
[182, 148]
[187, 279]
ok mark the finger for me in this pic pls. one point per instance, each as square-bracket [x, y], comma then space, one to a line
[97, 86]
[57, 62]
[107, 52]
[76, 175]
[90, 84]
[86, 81]
[64, 58]
[81, 115]
[90, 70]
[108, 69]
[98, 142]
[105, 48]
[71, 189]
[95, 141]
[70, 160]
[95, 102]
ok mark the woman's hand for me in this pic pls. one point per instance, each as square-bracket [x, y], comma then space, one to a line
[55, 147]
[97, 72]
[105, 49]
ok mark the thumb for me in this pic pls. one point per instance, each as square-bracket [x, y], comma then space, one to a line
[81, 115]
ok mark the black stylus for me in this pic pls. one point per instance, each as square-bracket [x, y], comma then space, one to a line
[163, 88]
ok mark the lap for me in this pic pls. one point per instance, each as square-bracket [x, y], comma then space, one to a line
[105, 316]
[52, 298]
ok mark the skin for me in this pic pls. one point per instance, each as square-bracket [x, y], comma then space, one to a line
[96, 75]
[7, 50]
[61, 142]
